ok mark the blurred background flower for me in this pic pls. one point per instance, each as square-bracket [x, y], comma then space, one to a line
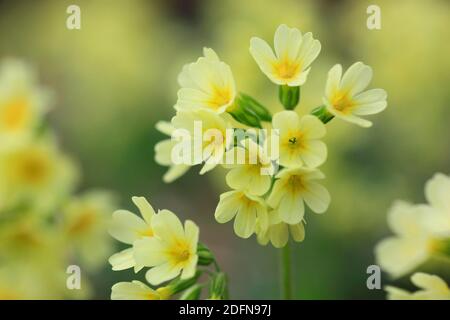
[116, 77]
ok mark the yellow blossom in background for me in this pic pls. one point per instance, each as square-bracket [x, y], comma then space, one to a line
[206, 84]
[294, 53]
[278, 231]
[412, 244]
[432, 288]
[247, 211]
[437, 193]
[171, 251]
[295, 186]
[136, 290]
[127, 228]
[251, 170]
[22, 103]
[85, 221]
[211, 136]
[38, 174]
[163, 154]
[299, 139]
[345, 97]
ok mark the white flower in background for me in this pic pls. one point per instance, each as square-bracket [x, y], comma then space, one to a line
[163, 154]
[295, 186]
[128, 227]
[207, 130]
[299, 139]
[251, 170]
[247, 211]
[432, 288]
[278, 231]
[437, 193]
[345, 97]
[207, 84]
[171, 251]
[22, 103]
[136, 290]
[412, 243]
[294, 53]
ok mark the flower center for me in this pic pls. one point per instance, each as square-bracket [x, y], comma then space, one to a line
[286, 69]
[83, 223]
[220, 97]
[342, 102]
[295, 183]
[15, 114]
[33, 169]
[180, 253]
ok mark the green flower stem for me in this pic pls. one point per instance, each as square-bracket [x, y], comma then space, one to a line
[286, 280]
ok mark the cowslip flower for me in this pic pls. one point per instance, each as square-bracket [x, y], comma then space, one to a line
[432, 288]
[127, 227]
[299, 139]
[207, 84]
[171, 251]
[22, 103]
[205, 129]
[345, 97]
[137, 290]
[295, 186]
[251, 168]
[278, 232]
[437, 193]
[412, 243]
[85, 219]
[163, 154]
[247, 211]
[294, 53]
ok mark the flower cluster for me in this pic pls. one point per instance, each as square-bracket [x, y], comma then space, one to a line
[171, 251]
[44, 226]
[280, 173]
[422, 232]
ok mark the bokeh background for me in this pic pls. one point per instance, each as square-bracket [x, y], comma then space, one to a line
[116, 77]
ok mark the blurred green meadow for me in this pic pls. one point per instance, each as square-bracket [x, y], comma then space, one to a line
[116, 77]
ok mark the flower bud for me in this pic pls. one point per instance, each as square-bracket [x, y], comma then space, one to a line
[218, 289]
[192, 293]
[244, 116]
[179, 285]
[205, 256]
[257, 108]
[289, 96]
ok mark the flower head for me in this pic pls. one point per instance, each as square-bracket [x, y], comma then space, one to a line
[247, 210]
[433, 288]
[299, 139]
[294, 53]
[171, 251]
[345, 97]
[295, 186]
[278, 231]
[251, 170]
[206, 84]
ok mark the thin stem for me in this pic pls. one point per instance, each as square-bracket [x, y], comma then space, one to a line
[286, 272]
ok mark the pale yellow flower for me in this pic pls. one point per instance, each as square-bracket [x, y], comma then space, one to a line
[251, 170]
[36, 173]
[294, 53]
[278, 232]
[433, 288]
[136, 290]
[207, 130]
[163, 154]
[437, 193]
[22, 103]
[206, 84]
[247, 211]
[85, 221]
[295, 186]
[299, 139]
[127, 228]
[171, 251]
[345, 97]
[412, 243]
